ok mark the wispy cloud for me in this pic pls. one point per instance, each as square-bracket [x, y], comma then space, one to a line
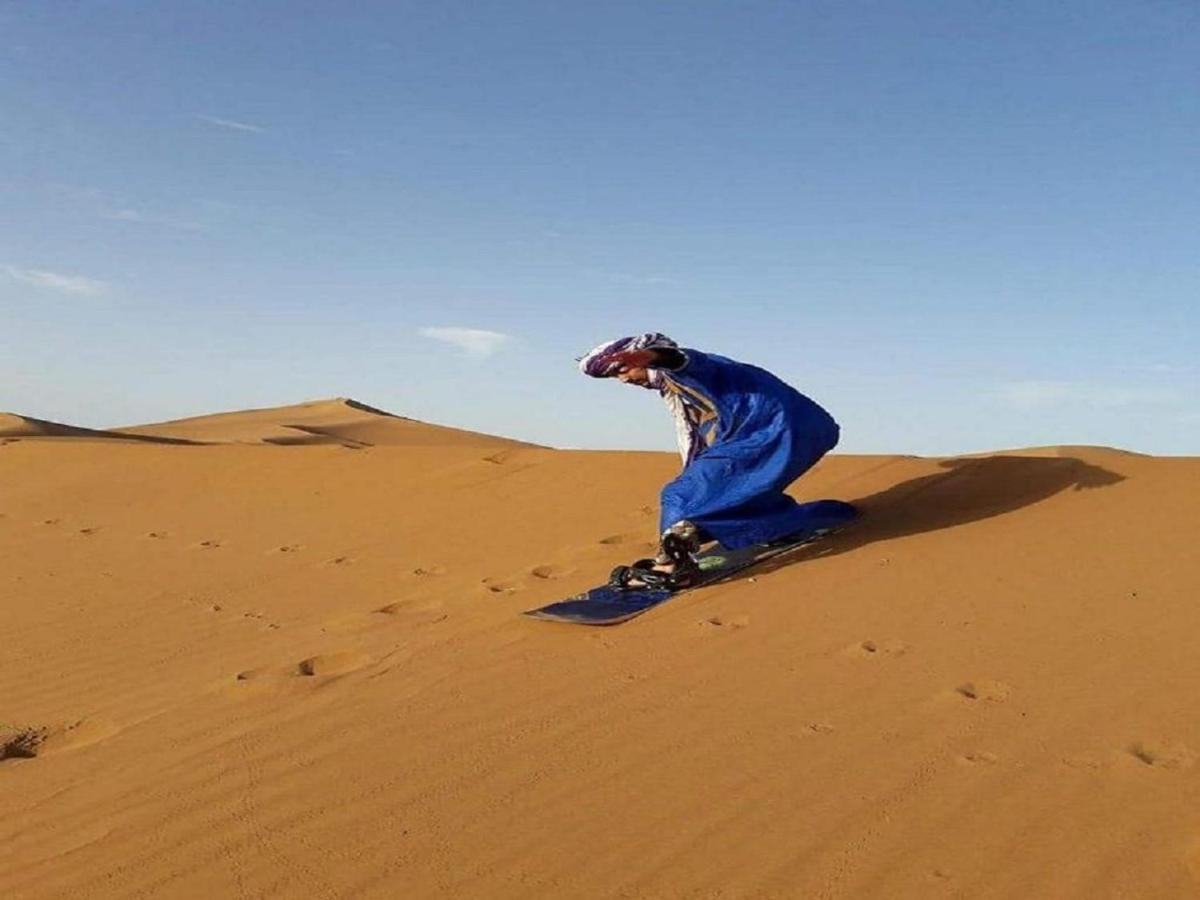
[231, 124]
[1029, 395]
[473, 341]
[55, 281]
[116, 208]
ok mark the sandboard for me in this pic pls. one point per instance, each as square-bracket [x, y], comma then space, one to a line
[611, 605]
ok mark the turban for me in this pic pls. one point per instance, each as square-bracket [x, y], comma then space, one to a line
[605, 360]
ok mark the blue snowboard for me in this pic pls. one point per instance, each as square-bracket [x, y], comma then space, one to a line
[610, 605]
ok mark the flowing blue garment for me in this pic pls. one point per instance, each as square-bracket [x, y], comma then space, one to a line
[753, 435]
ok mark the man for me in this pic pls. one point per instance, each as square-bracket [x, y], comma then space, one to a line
[744, 436]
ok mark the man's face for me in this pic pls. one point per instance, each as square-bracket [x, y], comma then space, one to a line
[634, 367]
[638, 375]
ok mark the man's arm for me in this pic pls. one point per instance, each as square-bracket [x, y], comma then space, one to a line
[669, 358]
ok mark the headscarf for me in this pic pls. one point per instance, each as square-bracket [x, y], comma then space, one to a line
[605, 360]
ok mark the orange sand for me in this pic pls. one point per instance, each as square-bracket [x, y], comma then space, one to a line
[251, 670]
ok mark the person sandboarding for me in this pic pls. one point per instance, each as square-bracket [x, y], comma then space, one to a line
[744, 435]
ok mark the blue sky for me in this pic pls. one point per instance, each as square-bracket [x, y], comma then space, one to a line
[959, 226]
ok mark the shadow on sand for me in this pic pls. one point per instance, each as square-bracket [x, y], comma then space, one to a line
[968, 491]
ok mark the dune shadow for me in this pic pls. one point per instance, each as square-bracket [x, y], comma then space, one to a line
[85, 434]
[155, 439]
[968, 491]
[310, 434]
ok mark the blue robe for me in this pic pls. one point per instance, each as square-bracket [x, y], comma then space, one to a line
[752, 436]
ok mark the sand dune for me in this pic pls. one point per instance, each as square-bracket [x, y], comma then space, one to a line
[337, 421]
[293, 671]
[14, 427]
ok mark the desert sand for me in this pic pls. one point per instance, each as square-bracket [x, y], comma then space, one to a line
[280, 653]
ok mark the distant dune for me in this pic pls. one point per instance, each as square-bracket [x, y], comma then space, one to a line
[244, 670]
[337, 421]
[13, 426]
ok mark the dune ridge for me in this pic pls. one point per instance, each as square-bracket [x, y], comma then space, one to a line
[252, 670]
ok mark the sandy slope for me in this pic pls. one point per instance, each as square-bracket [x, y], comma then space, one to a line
[266, 671]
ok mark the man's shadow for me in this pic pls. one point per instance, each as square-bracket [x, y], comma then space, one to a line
[968, 491]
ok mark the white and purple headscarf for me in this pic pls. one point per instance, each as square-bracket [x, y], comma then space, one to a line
[604, 362]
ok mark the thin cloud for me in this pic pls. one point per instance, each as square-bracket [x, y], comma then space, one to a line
[472, 341]
[55, 281]
[1030, 395]
[231, 124]
[114, 208]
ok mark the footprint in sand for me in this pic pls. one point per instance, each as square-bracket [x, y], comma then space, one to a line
[415, 611]
[412, 612]
[1162, 755]
[550, 572]
[876, 649]
[499, 458]
[51, 521]
[288, 548]
[88, 531]
[340, 561]
[258, 617]
[733, 623]
[332, 663]
[208, 604]
[157, 535]
[20, 743]
[992, 691]
[324, 664]
[502, 585]
[429, 571]
[208, 545]
[31, 742]
[978, 758]
[820, 728]
[618, 539]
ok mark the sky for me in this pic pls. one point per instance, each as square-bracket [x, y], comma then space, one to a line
[958, 226]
